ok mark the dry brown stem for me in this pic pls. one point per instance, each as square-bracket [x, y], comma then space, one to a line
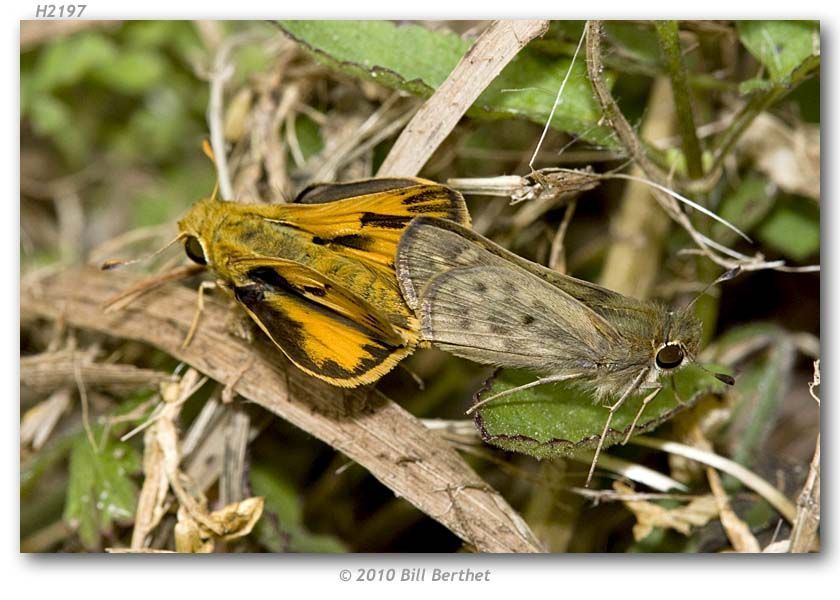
[494, 49]
[363, 424]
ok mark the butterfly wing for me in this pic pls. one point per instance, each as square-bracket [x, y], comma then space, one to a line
[364, 220]
[502, 315]
[431, 246]
[323, 329]
[476, 303]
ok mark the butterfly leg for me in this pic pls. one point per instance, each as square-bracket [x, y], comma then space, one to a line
[618, 404]
[676, 391]
[647, 400]
[540, 381]
[205, 285]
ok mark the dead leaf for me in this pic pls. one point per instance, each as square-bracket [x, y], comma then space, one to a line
[649, 515]
[736, 530]
[40, 420]
[788, 156]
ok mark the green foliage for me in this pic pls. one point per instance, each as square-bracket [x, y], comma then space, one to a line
[309, 136]
[417, 60]
[100, 490]
[792, 228]
[781, 46]
[560, 419]
[762, 386]
[281, 528]
[130, 95]
[744, 207]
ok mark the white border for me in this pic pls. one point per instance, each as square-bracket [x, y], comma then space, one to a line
[563, 576]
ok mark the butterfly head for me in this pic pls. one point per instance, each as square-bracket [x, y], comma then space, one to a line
[196, 227]
[679, 341]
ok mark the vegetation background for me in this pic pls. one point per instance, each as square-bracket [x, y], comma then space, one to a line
[113, 115]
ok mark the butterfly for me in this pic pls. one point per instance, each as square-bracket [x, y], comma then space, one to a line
[317, 275]
[479, 301]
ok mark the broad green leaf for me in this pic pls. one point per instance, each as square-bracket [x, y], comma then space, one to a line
[100, 490]
[792, 228]
[418, 61]
[781, 46]
[561, 419]
[281, 528]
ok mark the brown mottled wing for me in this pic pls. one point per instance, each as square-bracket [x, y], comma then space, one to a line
[504, 316]
[431, 246]
[480, 305]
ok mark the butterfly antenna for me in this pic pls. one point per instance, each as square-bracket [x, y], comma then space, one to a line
[730, 274]
[540, 381]
[117, 263]
[727, 379]
[684, 200]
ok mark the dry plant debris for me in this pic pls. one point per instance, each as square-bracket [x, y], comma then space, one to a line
[321, 103]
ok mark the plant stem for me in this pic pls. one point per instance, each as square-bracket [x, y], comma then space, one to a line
[669, 42]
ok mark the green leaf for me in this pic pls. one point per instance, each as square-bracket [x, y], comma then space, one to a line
[49, 115]
[641, 43]
[100, 490]
[559, 420]
[781, 46]
[792, 228]
[416, 60]
[68, 61]
[763, 383]
[745, 207]
[309, 136]
[132, 72]
[281, 528]
[52, 118]
[761, 389]
[251, 59]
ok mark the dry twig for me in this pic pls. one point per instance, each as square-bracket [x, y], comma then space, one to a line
[363, 424]
[495, 48]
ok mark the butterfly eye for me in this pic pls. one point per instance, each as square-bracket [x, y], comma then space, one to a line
[194, 250]
[669, 357]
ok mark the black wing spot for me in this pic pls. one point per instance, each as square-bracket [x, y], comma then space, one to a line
[315, 290]
[480, 287]
[422, 196]
[352, 240]
[384, 221]
[527, 319]
[432, 207]
[270, 277]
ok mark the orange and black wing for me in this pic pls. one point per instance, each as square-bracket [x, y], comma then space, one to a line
[365, 219]
[325, 330]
